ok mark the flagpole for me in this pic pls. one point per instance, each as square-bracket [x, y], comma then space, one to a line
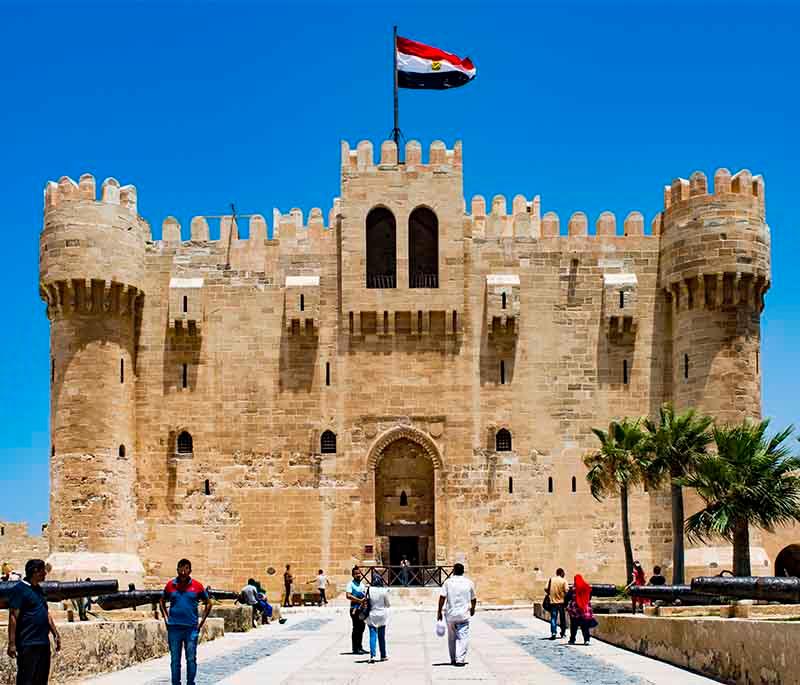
[396, 129]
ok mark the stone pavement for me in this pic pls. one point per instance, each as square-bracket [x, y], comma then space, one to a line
[508, 647]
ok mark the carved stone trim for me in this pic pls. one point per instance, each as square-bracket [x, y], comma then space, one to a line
[398, 433]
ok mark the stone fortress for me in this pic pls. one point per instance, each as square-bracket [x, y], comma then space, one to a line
[418, 377]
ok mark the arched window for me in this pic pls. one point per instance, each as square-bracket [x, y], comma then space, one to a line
[121, 452]
[502, 441]
[403, 499]
[327, 443]
[185, 445]
[423, 249]
[381, 249]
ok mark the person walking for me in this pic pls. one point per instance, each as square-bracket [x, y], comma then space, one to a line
[322, 583]
[557, 591]
[356, 592]
[184, 593]
[457, 602]
[378, 598]
[638, 581]
[579, 608]
[288, 578]
[30, 625]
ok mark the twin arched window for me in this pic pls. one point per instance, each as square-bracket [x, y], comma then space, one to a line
[423, 249]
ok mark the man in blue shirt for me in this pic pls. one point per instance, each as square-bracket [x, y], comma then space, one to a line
[183, 594]
[356, 592]
[29, 627]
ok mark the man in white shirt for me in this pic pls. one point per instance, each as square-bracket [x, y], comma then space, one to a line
[322, 584]
[457, 599]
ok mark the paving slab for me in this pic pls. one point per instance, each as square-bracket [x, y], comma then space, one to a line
[506, 648]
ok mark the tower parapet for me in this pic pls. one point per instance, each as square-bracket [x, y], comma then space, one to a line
[91, 275]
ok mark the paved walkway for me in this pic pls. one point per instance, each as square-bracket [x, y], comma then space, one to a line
[507, 647]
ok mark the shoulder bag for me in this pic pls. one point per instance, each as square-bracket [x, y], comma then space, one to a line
[363, 611]
[547, 604]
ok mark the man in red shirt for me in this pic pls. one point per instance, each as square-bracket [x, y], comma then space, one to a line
[183, 594]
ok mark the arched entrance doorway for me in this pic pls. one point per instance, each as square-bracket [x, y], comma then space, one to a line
[406, 463]
[787, 563]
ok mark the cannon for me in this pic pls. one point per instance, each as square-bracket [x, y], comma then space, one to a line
[767, 588]
[56, 591]
[602, 590]
[673, 594]
[133, 598]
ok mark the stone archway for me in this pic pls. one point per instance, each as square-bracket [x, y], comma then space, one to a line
[787, 563]
[406, 465]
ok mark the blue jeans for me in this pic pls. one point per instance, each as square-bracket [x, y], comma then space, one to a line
[556, 611]
[183, 637]
[377, 635]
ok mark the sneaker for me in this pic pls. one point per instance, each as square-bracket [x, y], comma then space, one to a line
[586, 642]
[460, 663]
[384, 658]
[571, 642]
[371, 660]
[553, 637]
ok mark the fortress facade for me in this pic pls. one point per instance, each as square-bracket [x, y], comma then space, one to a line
[417, 376]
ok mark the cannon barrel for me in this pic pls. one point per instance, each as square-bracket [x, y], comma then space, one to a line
[129, 600]
[222, 594]
[768, 588]
[671, 593]
[56, 591]
[603, 590]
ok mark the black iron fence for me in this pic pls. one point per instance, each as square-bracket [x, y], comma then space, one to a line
[381, 281]
[408, 576]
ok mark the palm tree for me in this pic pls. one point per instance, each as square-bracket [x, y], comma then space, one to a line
[751, 480]
[674, 445]
[615, 468]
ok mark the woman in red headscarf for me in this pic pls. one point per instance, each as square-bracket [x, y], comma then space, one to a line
[580, 610]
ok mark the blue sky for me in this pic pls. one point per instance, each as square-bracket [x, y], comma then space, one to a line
[595, 106]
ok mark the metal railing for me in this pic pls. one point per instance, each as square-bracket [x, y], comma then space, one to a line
[381, 281]
[408, 576]
[421, 280]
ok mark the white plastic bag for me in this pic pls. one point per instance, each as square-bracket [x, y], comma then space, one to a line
[440, 629]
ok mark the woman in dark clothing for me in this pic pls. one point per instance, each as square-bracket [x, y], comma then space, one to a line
[579, 608]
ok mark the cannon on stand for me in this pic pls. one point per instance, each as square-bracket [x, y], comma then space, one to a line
[683, 595]
[56, 591]
[134, 598]
[602, 589]
[766, 588]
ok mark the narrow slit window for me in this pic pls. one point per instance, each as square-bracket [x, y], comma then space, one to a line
[625, 371]
[646, 486]
[502, 372]
[52, 369]
[686, 366]
[511, 485]
[327, 373]
[207, 487]
[574, 484]
[121, 370]
[53, 451]
[419, 321]
[757, 361]
[302, 302]
[121, 452]
[455, 322]
[503, 297]
[550, 484]
[403, 499]
[386, 323]
[622, 299]
[185, 376]
[185, 304]
[351, 323]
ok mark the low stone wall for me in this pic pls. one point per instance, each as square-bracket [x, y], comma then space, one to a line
[94, 647]
[733, 650]
[237, 618]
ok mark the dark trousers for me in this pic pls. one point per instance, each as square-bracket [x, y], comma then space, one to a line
[558, 617]
[287, 595]
[33, 665]
[322, 598]
[358, 631]
[574, 624]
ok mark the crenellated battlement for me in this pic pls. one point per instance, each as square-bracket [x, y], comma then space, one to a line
[743, 188]
[111, 193]
[362, 159]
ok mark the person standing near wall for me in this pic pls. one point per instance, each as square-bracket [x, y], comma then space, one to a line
[30, 625]
[183, 631]
[288, 578]
[378, 617]
[458, 600]
[322, 584]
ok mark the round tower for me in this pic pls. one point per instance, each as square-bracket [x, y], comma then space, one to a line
[91, 275]
[715, 270]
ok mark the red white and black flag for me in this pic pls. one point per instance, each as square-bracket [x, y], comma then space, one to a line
[423, 66]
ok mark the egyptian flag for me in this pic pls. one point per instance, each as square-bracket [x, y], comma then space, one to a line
[423, 66]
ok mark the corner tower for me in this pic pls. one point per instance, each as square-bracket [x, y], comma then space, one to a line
[715, 269]
[91, 275]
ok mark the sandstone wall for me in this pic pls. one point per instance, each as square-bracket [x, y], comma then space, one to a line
[17, 545]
